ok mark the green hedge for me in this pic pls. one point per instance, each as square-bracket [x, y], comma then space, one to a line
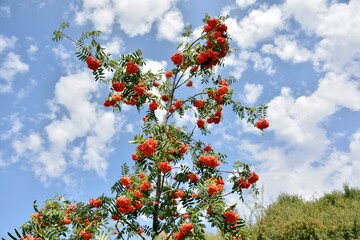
[334, 216]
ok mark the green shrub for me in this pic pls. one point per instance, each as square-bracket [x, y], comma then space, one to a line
[334, 216]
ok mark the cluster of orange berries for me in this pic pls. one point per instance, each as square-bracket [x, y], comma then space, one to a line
[209, 161]
[246, 182]
[216, 46]
[216, 186]
[183, 231]
[217, 96]
[231, 217]
[148, 148]
[125, 204]
[96, 202]
[29, 237]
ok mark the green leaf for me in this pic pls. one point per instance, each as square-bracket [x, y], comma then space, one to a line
[35, 206]
[10, 235]
[125, 169]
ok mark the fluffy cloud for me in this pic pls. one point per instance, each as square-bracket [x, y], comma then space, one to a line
[171, 26]
[9, 68]
[32, 49]
[6, 42]
[335, 25]
[287, 50]
[115, 46]
[301, 145]
[5, 11]
[339, 48]
[79, 132]
[252, 92]
[285, 170]
[284, 110]
[134, 17]
[258, 25]
[100, 13]
[15, 125]
[306, 12]
[302, 159]
[61, 52]
[244, 3]
[344, 166]
[262, 63]
[240, 63]
[31, 143]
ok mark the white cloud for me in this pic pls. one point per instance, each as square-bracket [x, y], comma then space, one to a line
[9, 68]
[31, 143]
[262, 63]
[64, 56]
[345, 166]
[298, 160]
[14, 128]
[306, 12]
[287, 50]
[252, 92]
[32, 49]
[75, 119]
[115, 46]
[238, 62]
[284, 170]
[225, 135]
[129, 128]
[339, 49]
[23, 92]
[244, 3]
[188, 119]
[258, 25]
[302, 158]
[135, 17]
[154, 66]
[336, 27]
[290, 126]
[3, 163]
[61, 52]
[171, 25]
[7, 42]
[100, 13]
[5, 11]
[103, 130]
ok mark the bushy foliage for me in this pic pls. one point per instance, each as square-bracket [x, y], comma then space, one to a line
[336, 215]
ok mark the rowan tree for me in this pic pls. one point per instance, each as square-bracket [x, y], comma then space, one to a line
[177, 181]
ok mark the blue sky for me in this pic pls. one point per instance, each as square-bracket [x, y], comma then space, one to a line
[299, 56]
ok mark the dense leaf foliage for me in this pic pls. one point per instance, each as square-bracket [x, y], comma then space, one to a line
[333, 216]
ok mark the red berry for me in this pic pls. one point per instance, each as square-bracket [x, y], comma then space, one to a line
[93, 63]
[178, 104]
[177, 58]
[153, 105]
[165, 98]
[118, 86]
[169, 74]
[253, 177]
[262, 124]
[200, 123]
[131, 68]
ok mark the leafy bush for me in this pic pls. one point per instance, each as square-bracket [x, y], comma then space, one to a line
[333, 216]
